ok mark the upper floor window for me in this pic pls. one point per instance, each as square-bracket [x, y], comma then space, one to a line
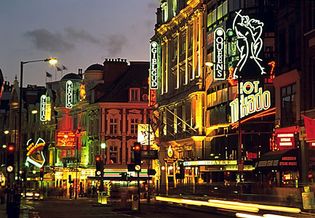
[113, 126]
[133, 126]
[134, 94]
[288, 105]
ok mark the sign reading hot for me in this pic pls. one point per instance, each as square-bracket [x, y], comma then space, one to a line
[252, 99]
[219, 54]
[34, 153]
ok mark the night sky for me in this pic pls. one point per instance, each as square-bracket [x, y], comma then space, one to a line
[78, 32]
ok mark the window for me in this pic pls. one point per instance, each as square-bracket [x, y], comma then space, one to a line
[133, 126]
[113, 153]
[288, 105]
[134, 94]
[113, 126]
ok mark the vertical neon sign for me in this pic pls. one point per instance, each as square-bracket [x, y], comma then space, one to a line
[219, 54]
[69, 94]
[42, 109]
[153, 65]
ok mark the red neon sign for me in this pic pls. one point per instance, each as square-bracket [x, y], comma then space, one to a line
[66, 139]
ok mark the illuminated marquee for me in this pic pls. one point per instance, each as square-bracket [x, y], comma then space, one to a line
[219, 54]
[34, 153]
[69, 94]
[252, 99]
[153, 65]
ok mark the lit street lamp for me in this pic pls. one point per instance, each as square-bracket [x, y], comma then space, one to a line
[52, 61]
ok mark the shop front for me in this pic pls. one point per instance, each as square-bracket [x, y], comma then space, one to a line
[279, 168]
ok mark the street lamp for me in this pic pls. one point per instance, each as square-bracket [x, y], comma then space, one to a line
[51, 61]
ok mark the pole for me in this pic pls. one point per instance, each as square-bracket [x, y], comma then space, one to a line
[149, 161]
[138, 183]
[20, 122]
[76, 166]
[239, 150]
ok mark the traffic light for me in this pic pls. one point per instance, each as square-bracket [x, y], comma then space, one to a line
[41, 173]
[10, 157]
[99, 165]
[137, 153]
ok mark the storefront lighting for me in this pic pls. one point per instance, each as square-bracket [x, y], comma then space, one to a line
[103, 145]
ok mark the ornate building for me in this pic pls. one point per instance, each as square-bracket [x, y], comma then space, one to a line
[180, 35]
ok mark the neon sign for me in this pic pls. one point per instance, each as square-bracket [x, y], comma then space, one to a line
[65, 139]
[34, 153]
[69, 94]
[252, 99]
[219, 54]
[42, 110]
[45, 108]
[249, 44]
[82, 92]
[153, 66]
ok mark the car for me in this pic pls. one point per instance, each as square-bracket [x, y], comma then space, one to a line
[31, 194]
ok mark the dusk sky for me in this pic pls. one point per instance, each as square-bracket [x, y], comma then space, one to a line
[78, 32]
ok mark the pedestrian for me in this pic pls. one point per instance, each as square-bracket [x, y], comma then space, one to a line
[71, 191]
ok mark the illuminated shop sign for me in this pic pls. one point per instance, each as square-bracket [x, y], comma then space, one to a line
[152, 97]
[69, 94]
[66, 139]
[82, 92]
[34, 153]
[249, 44]
[285, 140]
[153, 65]
[45, 108]
[219, 54]
[143, 134]
[209, 162]
[252, 99]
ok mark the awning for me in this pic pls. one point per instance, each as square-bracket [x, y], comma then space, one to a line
[278, 160]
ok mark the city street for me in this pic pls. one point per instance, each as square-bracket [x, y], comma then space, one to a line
[85, 208]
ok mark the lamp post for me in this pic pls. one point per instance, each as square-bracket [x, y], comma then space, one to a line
[51, 61]
[76, 163]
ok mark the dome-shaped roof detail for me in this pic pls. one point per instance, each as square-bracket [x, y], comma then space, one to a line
[71, 76]
[95, 67]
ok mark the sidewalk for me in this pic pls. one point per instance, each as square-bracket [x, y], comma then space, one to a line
[24, 211]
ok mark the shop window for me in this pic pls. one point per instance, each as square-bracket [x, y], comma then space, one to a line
[288, 105]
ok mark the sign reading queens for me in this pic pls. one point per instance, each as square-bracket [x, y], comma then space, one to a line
[219, 54]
